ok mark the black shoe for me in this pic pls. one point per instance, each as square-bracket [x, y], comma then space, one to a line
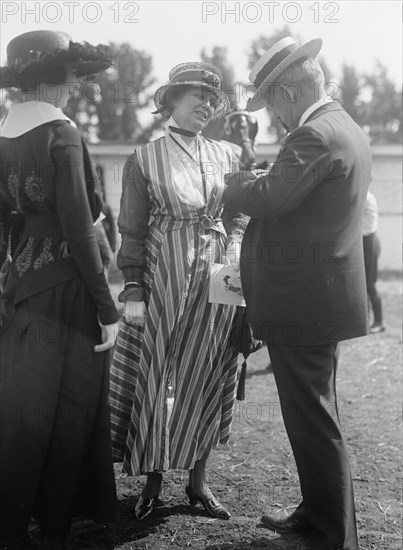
[212, 505]
[145, 507]
[286, 524]
[149, 498]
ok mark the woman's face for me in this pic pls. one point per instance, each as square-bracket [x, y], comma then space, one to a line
[67, 89]
[194, 109]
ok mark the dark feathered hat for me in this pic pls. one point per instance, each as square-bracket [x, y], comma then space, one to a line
[40, 56]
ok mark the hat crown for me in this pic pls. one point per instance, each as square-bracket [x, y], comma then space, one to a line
[30, 45]
[197, 72]
[286, 45]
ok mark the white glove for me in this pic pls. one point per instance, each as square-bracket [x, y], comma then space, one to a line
[135, 313]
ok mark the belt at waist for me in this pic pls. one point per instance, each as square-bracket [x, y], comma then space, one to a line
[41, 225]
[168, 223]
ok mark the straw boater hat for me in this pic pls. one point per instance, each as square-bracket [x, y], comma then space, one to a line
[194, 74]
[274, 62]
[39, 56]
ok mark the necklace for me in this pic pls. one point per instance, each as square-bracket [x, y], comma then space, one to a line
[199, 164]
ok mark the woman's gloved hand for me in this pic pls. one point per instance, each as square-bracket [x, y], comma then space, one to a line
[135, 313]
[233, 252]
[108, 337]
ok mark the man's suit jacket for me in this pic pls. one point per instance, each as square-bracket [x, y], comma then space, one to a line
[302, 263]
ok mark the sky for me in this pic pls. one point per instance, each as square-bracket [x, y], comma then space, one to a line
[355, 32]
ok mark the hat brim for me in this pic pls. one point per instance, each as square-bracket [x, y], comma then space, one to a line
[9, 77]
[221, 110]
[308, 50]
[87, 68]
[85, 58]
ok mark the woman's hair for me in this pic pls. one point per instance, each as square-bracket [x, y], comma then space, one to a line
[28, 81]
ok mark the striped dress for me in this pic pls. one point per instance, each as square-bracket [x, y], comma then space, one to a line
[173, 380]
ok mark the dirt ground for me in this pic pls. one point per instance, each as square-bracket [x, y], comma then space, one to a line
[256, 472]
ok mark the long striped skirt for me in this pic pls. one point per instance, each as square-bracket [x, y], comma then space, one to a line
[173, 381]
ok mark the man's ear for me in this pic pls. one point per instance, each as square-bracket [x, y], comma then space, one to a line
[291, 92]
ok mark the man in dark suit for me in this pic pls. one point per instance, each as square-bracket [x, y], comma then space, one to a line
[303, 277]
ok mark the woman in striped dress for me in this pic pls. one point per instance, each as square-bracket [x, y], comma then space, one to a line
[173, 372]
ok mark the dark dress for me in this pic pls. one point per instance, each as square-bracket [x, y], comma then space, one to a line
[55, 450]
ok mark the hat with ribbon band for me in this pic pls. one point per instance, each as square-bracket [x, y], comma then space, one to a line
[274, 62]
[196, 74]
[38, 56]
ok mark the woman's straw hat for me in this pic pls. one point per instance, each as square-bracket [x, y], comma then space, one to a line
[193, 74]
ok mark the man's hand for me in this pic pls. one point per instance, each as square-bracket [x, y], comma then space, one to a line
[239, 177]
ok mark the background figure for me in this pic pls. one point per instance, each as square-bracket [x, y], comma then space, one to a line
[105, 227]
[173, 372]
[240, 130]
[108, 221]
[306, 292]
[55, 447]
[372, 248]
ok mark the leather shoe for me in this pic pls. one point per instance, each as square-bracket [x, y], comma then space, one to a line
[286, 524]
[212, 505]
[145, 507]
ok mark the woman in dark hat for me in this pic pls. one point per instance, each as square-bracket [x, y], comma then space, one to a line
[173, 372]
[58, 315]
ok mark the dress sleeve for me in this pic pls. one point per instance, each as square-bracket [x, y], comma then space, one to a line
[76, 217]
[133, 226]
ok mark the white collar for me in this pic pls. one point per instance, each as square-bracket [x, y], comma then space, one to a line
[314, 107]
[26, 116]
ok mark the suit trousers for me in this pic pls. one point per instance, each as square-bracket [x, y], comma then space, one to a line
[306, 382]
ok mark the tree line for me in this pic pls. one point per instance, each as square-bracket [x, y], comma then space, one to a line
[373, 100]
